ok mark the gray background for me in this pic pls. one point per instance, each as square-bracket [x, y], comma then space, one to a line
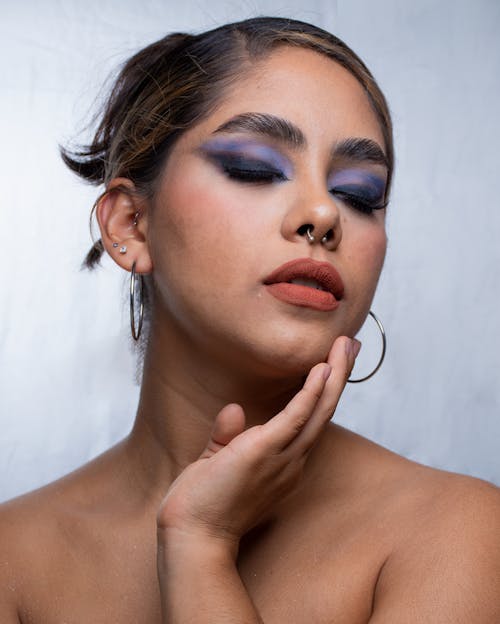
[67, 387]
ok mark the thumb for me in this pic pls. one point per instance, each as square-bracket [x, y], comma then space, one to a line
[229, 423]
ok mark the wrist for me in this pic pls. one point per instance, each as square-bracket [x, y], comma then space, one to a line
[199, 579]
[183, 544]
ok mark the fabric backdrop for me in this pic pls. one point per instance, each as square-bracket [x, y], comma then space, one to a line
[67, 388]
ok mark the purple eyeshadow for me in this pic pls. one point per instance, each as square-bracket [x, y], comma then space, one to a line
[250, 150]
[364, 183]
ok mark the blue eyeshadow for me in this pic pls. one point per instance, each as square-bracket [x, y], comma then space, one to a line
[359, 182]
[248, 149]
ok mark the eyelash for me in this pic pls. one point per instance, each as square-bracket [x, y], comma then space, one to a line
[358, 203]
[254, 175]
[265, 176]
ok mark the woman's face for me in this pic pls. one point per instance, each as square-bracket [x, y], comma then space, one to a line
[234, 202]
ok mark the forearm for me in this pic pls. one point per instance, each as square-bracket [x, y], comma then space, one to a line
[199, 583]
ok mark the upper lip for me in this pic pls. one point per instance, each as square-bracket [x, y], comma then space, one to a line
[307, 268]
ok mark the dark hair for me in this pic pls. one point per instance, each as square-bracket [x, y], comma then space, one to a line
[175, 82]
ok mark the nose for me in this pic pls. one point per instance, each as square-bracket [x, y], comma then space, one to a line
[316, 219]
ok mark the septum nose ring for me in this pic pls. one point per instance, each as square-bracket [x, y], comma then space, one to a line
[311, 238]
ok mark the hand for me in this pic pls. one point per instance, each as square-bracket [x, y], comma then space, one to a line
[240, 474]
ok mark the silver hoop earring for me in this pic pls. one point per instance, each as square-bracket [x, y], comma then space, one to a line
[133, 278]
[384, 345]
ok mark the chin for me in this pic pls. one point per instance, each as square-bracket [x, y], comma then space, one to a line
[284, 356]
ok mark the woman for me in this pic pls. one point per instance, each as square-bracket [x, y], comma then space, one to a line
[247, 172]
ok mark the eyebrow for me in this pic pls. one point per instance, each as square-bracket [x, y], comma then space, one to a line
[268, 125]
[359, 150]
[353, 149]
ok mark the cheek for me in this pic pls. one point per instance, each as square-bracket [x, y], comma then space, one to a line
[364, 261]
[183, 209]
[200, 235]
[366, 256]
[198, 204]
[374, 249]
[191, 216]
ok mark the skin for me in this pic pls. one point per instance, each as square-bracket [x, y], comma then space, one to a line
[234, 499]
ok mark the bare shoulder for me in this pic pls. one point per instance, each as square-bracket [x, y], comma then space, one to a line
[443, 563]
[448, 558]
[27, 534]
[447, 513]
[410, 483]
[423, 498]
[43, 533]
[440, 535]
[10, 571]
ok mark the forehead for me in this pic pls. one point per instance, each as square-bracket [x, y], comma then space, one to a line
[305, 87]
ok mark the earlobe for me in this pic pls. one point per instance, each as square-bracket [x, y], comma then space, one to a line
[122, 217]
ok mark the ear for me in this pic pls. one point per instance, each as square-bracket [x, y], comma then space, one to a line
[122, 217]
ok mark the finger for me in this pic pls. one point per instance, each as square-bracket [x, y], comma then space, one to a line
[229, 423]
[288, 423]
[341, 358]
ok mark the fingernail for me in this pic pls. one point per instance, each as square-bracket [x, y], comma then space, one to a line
[326, 371]
[356, 346]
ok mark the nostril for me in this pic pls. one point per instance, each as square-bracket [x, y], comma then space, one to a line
[314, 234]
[303, 228]
[328, 236]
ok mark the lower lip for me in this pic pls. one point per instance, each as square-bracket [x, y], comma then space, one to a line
[303, 296]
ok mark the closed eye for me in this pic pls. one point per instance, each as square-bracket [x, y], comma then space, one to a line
[358, 202]
[251, 174]
[244, 169]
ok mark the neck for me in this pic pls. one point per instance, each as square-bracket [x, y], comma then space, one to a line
[182, 392]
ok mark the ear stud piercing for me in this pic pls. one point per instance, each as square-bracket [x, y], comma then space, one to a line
[123, 248]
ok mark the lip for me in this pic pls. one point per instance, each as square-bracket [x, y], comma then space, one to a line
[306, 268]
